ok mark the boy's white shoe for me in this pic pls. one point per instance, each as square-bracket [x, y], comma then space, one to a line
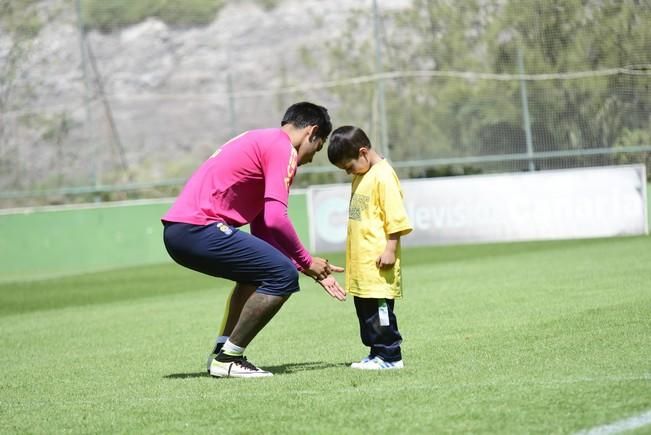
[236, 367]
[376, 363]
[365, 360]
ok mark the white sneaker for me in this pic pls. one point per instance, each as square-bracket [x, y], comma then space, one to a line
[377, 363]
[236, 367]
[363, 362]
[212, 356]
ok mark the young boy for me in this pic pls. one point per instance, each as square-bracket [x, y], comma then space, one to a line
[376, 221]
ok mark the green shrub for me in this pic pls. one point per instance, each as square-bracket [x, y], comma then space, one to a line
[107, 16]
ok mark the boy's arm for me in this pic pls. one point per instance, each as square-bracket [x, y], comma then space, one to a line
[388, 257]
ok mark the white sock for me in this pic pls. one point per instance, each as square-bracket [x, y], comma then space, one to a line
[219, 343]
[232, 349]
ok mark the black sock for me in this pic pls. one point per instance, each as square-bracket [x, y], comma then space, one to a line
[222, 357]
[218, 348]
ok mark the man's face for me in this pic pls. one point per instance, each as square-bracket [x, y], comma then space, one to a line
[358, 166]
[308, 149]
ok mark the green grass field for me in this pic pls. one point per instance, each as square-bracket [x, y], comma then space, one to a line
[550, 337]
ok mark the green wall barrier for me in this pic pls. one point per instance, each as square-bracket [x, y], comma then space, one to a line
[46, 242]
[71, 240]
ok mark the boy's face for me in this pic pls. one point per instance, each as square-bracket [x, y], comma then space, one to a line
[358, 166]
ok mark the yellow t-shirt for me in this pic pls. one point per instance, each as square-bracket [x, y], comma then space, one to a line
[376, 210]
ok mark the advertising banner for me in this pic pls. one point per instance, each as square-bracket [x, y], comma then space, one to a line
[544, 205]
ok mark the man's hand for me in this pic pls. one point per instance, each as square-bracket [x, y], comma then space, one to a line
[334, 268]
[320, 268]
[333, 288]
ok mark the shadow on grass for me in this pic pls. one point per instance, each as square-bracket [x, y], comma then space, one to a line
[276, 370]
[301, 367]
[187, 375]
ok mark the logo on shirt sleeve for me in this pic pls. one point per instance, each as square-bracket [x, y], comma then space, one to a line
[291, 168]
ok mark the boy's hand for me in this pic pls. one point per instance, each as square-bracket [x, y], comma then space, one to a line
[386, 260]
[333, 288]
[388, 257]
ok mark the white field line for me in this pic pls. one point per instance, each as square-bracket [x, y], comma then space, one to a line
[620, 426]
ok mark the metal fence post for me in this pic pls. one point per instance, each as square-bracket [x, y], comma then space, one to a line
[525, 110]
[384, 140]
[84, 70]
[229, 91]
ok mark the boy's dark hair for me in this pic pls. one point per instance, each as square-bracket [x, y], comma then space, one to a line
[345, 144]
[304, 114]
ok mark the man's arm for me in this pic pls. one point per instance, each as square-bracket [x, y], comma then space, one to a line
[259, 230]
[329, 283]
[279, 167]
[277, 222]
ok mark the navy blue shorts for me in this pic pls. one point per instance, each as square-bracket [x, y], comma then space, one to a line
[223, 251]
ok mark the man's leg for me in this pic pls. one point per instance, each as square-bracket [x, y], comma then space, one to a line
[256, 313]
[258, 310]
[225, 252]
[253, 306]
[238, 296]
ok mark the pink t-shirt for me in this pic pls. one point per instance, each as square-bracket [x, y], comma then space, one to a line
[248, 173]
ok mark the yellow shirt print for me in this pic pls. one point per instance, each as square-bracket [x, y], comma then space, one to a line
[376, 210]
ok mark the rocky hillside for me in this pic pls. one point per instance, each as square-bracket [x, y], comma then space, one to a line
[154, 99]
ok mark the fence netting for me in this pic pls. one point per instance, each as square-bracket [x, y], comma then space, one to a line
[113, 99]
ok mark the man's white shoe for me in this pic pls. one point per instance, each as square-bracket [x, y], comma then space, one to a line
[211, 357]
[218, 347]
[236, 367]
[377, 363]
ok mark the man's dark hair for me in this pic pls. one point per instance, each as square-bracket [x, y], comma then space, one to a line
[345, 143]
[304, 114]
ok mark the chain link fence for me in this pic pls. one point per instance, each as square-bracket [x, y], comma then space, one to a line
[116, 99]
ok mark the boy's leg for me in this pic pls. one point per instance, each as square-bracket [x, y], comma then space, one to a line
[379, 328]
